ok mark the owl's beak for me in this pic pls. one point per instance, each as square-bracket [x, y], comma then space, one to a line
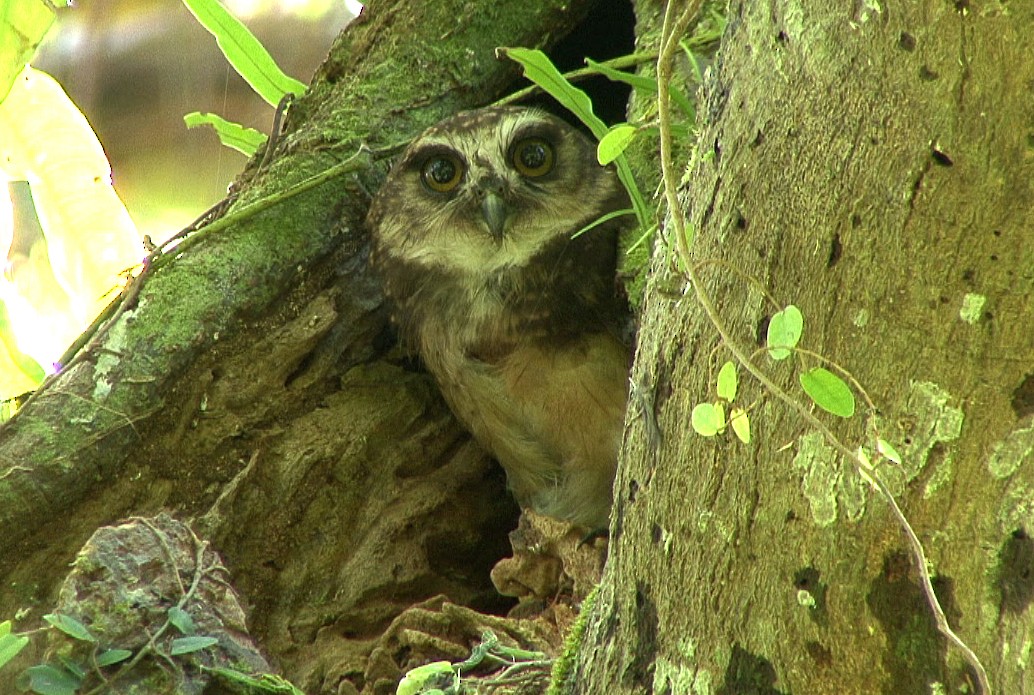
[494, 211]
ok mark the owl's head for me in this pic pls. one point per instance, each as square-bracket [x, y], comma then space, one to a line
[487, 190]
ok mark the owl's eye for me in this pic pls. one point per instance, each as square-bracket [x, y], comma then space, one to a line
[533, 157]
[442, 172]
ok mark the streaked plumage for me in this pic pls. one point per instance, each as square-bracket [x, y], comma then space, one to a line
[520, 324]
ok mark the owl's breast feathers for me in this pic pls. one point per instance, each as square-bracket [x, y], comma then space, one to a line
[534, 361]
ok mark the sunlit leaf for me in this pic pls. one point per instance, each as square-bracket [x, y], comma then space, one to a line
[740, 424]
[888, 450]
[10, 645]
[23, 24]
[727, 381]
[643, 84]
[55, 292]
[244, 140]
[245, 53]
[708, 419]
[784, 332]
[416, 679]
[829, 391]
[613, 144]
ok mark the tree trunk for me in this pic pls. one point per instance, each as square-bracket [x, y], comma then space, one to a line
[250, 388]
[872, 164]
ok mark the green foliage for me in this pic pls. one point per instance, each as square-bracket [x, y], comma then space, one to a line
[250, 59]
[188, 645]
[540, 70]
[828, 391]
[708, 419]
[784, 332]
[233, 135]
[70, 626]
[81, 675]
[23, 24]
[244, 52]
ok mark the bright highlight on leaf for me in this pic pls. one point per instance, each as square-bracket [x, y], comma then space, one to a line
[54, 292]
[888, 451]
[245, 53]
[415, 680]
[740, 424]
[23, 24]
[828, 391]
[613, 144]
[708, 419]
[244, 140]
[784, 332]
[727, 381]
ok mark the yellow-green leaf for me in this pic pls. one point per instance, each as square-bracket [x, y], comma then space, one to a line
[245, 140]
[23, 24]
[245, 53]
[708, 419]
[613, 144]
[727, 381]
[784, 332]
[740, 424]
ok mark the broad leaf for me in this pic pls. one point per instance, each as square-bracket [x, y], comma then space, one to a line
[245, 53]
[829, 391]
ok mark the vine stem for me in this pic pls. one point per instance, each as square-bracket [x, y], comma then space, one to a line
[672, 28]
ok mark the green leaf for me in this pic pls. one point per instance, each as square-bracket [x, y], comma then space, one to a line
[829, 391]
[603, 219]
[784, 332]
[643, 84]
[727, 381]
[182, 620]
[613, 144]
[112, 656]
[46, 679]
[244, 140]
[740, 424]
[888, 451]
[264, 683]
[708, 419]
[10, 645]
[245, 53]
[539, 69]
[5, 628]
[186, 645]
[415, 679]
[70, 626]
[73, 666]
[23, 24]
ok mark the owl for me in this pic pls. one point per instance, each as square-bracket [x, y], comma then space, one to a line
[516, 316]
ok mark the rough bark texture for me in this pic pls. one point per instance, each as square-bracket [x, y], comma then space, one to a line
[872, 164]
[249, 389]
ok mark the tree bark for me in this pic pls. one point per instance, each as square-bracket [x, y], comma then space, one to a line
[872, 164]
[249, 388]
